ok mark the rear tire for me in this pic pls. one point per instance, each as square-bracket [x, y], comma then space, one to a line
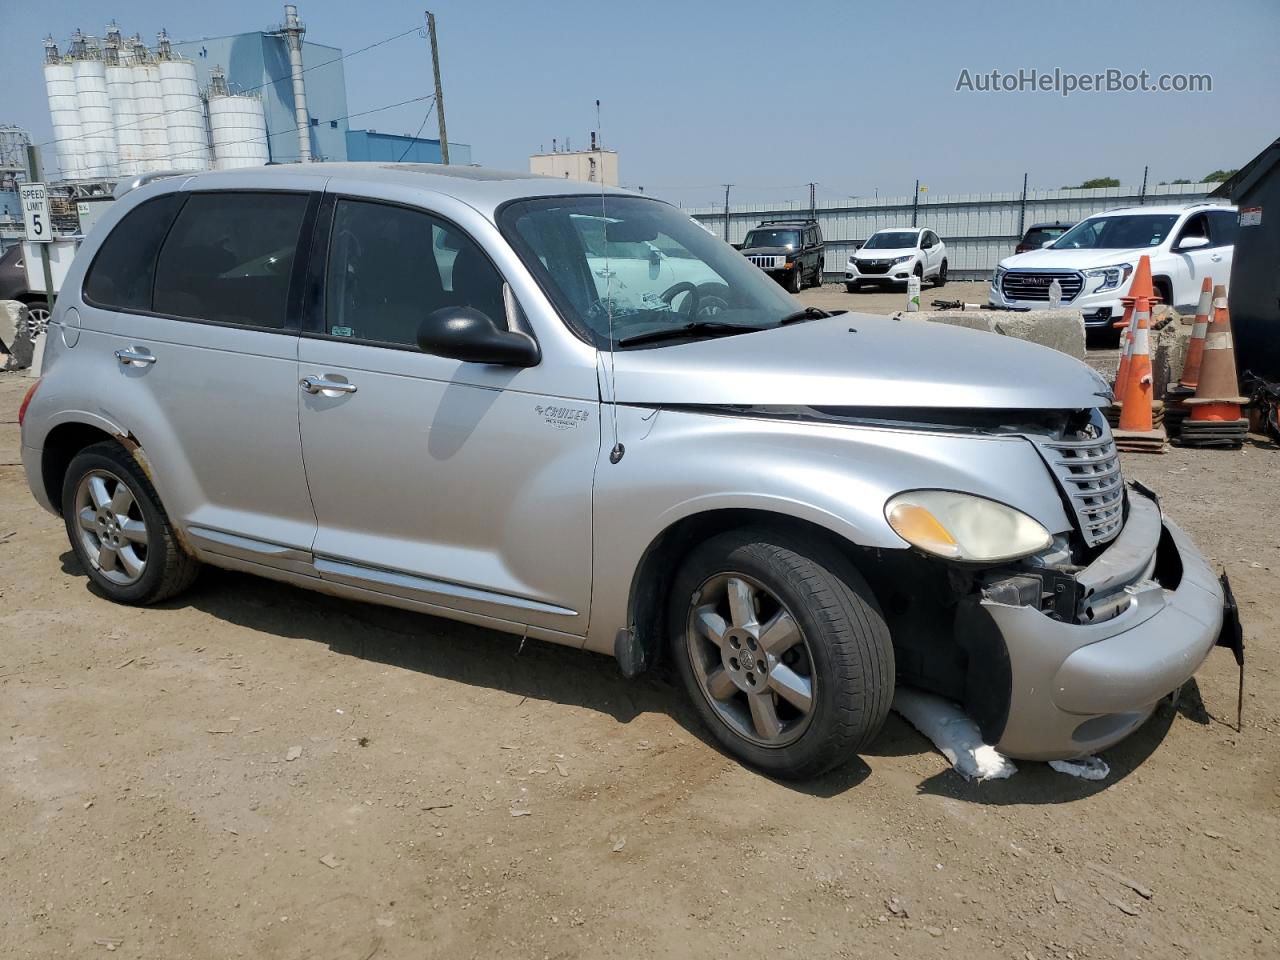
[119, 530]
[803, 674]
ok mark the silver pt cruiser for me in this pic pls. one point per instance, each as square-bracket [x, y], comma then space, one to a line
[574, 415]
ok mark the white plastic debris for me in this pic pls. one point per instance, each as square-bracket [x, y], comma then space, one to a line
[1086, 768]
[954, 734]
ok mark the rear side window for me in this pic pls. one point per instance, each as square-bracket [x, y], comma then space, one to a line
[124, 270]
[229, 258]
[390, 266]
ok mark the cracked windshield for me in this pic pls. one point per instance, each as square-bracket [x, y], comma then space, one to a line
[642, 268]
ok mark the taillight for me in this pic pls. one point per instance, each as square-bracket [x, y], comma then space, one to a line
[26, 401]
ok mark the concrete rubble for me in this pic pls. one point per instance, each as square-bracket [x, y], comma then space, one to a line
[1063, 330]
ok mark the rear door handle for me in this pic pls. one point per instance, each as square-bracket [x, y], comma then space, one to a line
[135, 358]
[321, 385]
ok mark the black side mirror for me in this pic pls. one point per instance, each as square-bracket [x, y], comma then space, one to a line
[463, 333]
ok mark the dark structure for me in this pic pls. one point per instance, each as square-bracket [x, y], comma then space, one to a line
[1254, 295]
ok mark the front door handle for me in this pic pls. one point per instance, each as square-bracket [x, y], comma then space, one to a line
[135, 358]
[321, 385]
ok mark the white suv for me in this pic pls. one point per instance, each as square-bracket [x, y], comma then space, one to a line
[893, 255]
[1094, 260]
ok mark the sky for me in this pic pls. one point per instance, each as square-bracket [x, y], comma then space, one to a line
[858, 97]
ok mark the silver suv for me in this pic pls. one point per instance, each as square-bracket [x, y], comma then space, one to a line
[448, 389]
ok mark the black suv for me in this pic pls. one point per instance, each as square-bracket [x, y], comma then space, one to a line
[790, 251]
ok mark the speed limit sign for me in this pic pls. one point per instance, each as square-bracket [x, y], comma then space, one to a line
[35, 212]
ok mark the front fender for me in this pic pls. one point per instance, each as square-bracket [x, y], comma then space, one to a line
[679, 464]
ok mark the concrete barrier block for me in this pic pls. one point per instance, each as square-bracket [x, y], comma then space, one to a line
[1062, 330]
[12, 314]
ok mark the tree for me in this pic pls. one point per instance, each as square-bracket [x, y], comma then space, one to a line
[1218, 176]
[1096, 182]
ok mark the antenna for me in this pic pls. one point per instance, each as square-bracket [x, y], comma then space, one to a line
[618, 449]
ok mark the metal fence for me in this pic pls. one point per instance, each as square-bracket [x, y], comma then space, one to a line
[979, 229]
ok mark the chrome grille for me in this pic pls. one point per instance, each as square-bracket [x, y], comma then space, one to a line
[1088, 471]
[766, 261]
[1034, 285]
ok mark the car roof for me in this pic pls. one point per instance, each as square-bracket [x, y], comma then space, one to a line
[900, 230]
[1161, 208]
[484, 188]
[1049, 223]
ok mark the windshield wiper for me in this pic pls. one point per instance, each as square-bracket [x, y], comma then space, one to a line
[709, 327]
[808, 313]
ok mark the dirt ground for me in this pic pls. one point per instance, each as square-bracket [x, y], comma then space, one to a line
[257, 771]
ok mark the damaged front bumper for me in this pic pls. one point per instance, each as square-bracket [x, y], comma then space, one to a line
[1147, 611]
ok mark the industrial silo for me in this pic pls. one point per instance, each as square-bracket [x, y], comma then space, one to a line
[64, 111]
[184, 111]
[148, 105]
[96, 127]
[237, 127]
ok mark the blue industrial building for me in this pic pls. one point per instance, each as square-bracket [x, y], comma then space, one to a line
[370, 145]
[259, 63]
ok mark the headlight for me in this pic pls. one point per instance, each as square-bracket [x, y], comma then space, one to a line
[998, 276]
[960, 526]
[902, 259]
[1111, 276]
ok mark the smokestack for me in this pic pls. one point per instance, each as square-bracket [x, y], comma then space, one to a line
[593, 140]
[293, 31]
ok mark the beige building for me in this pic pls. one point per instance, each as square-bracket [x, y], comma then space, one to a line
[596, 165]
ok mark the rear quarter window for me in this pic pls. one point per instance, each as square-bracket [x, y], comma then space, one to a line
[124, 269]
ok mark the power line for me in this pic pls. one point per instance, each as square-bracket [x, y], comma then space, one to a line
[425, 117]
[152, 116]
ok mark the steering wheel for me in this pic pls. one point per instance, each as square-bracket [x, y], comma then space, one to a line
[684, 286]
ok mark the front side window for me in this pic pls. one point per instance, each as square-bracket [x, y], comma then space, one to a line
[229, 258]
[124, 269]
[1223, 226]
[1118, 232]
[389, 267]
[893, 240]
[675, 274]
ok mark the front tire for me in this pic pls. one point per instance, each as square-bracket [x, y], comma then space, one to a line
[795, 279]
[853, 287]
[941, 279]
[782, 650]
[119, 530]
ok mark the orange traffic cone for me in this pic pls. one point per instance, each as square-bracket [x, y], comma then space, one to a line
[1141, 287]
[1215, 409]
[1137, 432]
[1195, 349]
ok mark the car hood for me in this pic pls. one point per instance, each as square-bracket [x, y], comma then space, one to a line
[769, 251]
[1072, 259]
[865, 254]
[887, 362]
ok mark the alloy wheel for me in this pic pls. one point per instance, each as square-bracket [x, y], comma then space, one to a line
[37, 321]
[112, 529]
[751, 660]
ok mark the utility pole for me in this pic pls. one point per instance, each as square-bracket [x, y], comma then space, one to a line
[33, 176]
[726, 211]
[813, 206]
[1142, 198]
[435, 68]
[915, 204]
[1022, 211]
